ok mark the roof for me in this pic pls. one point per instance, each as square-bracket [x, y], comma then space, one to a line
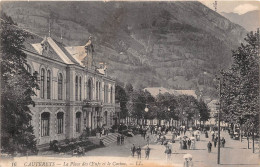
[156, 90]
[77, 52]
[55, 50]
[58, 51]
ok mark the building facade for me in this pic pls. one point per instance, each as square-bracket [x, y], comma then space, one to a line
[74, 94]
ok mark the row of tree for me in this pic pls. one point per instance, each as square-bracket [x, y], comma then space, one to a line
[240, 86]
[162, 107]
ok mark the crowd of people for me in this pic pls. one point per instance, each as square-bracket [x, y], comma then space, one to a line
[186, 138]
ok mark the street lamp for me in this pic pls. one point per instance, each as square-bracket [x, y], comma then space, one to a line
[146, 108]
[220, 87]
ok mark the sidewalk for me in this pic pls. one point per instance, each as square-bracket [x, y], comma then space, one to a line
[234, 154]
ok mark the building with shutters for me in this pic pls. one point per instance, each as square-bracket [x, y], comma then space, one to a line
[74, 94]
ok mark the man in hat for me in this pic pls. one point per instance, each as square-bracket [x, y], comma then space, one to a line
[209, 147]
[147, 152]
[133, 150]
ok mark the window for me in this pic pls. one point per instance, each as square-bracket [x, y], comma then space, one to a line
[76, 88]
[89, 89]
[49, 84]
[45, 124]
[78, 121]
[60, 85]
[97, 90]
[106, 93]
[60, 116]
[111, 95]
[105, 117]
[42, 83]
[80, 89]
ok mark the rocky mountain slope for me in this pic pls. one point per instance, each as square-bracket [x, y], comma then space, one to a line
[176, 45]
[250, 20]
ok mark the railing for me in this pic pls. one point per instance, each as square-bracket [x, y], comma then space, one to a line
[93, 102]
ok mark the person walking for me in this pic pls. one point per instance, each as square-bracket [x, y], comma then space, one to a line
[147, 152]
[213, 137]
[118, 139]
[133, 150]
[189, 143]
[122, 139]
[185, 144]
[144, 133]
[223, 141]
[206, 134]
[167, 153]
[138, 151]
[186, 162]
[190, 162]
[209, 147]
[148, 140]
[180, 144]
[215, 141]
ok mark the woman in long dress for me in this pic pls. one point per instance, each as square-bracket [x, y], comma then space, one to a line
[180, 143]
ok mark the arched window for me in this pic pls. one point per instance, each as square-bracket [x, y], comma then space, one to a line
[89, 89]
[60, 117]
[45, 124]
[78, 121]
[42, 83]
[60, 86]
[111, 95]
[76, 88]
[48, 84]
[97, 90]
[80, 89]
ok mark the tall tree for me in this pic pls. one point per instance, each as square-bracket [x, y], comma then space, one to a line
[122, 98]
[17, 85]
[203, 111]
[240, 93]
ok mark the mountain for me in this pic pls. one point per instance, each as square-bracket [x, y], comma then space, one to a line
[250, 20]
[178, 45]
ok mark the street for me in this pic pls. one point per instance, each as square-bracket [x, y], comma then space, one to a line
[241, 156]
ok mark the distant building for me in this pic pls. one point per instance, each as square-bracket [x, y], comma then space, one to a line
[157, 90]
[213, 106]
[74, 94]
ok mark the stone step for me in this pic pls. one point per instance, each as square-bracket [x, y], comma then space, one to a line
[111, 138]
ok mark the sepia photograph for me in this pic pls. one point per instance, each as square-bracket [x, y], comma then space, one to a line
[129, 83]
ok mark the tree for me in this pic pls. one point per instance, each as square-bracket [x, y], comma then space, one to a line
[240, 93]
[17, 85]
[122, 98]
[204, 111]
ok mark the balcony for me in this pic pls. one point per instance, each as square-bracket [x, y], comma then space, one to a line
[92, 103]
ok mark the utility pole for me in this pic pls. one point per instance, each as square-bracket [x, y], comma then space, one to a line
[220, 85]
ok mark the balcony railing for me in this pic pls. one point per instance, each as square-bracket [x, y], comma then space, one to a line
[94, 103]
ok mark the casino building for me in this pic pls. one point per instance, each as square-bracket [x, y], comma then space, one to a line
[74, 94]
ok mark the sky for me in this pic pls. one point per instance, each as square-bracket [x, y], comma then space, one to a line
[239, 7]
[228, 6]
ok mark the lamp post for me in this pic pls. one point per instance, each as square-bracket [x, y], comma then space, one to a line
[220, 87]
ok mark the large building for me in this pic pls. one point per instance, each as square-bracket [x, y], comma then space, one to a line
[74, 94]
